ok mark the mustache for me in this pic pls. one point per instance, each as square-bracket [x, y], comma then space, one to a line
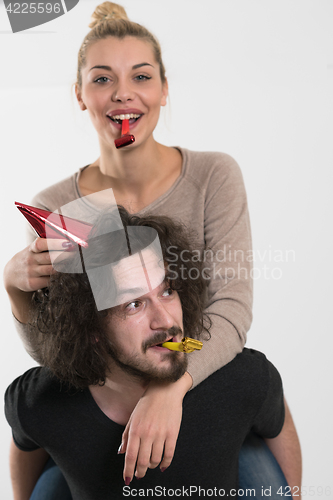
[159, 338]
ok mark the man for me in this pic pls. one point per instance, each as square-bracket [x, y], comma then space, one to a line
[100, 334]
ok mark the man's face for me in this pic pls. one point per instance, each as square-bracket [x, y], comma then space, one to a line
[138, 326]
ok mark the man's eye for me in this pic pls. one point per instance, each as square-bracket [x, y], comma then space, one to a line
[133, 305]
[142, 77]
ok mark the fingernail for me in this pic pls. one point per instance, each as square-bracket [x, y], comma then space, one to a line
[67, 244]
[139, 478]
[163, 469]
[127, 481]
[119, 449]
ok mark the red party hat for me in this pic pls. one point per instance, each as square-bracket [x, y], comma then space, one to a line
[53, 225]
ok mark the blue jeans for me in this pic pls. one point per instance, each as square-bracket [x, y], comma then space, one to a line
[258, 470]
[51, 485]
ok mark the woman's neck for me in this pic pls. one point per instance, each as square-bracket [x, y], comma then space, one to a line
[133, 168]
[137, 176]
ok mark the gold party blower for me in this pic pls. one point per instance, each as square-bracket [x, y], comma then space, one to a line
[186, 345]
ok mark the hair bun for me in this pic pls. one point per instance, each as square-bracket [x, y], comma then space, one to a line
[107, 11]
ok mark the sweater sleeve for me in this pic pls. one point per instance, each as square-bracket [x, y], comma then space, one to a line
[227, 260]
[50, 199]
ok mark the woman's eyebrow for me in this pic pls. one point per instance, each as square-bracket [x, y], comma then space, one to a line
[136, 66]
[108, 68]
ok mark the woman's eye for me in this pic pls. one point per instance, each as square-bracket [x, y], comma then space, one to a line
[142, 77]
[102, 79]
[167, 292]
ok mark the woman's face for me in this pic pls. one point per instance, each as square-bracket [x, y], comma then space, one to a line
[122, 77]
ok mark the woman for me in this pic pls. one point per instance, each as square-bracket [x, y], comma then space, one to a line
[120, 71]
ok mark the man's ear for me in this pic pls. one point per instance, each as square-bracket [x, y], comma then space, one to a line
[165, 92]
[83, 107]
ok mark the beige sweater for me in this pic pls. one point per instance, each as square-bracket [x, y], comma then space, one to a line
[209, 197]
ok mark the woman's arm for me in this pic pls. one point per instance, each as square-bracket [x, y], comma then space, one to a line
[153, 428]
[26, 272]
[228, 261]
[30, 269]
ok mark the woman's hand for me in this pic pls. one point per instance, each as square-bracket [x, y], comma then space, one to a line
[152, 430]
[28, 271]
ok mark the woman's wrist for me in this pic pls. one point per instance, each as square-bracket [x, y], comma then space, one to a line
[180, 387]
[185, 382]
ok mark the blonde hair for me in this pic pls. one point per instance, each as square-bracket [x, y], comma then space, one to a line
[110, 19]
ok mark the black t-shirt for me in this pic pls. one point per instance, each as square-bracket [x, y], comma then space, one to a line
[244, 395]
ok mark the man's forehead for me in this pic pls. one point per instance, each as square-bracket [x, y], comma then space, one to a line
[138, 274]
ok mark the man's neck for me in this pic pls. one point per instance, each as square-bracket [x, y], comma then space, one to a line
[119, 395]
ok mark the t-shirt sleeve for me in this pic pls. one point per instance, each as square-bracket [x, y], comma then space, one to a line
[269, 419]
[16, 397]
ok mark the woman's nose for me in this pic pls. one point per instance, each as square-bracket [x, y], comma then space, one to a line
[122, 93]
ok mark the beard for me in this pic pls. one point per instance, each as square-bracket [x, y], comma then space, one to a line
[140, 368]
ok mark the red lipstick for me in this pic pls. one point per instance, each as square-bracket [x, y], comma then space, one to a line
[57, 226]
[126, 138]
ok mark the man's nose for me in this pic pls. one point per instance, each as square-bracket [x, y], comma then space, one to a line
[160, 317]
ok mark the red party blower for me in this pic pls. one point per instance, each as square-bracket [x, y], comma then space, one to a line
[126, 138]
[55, 225]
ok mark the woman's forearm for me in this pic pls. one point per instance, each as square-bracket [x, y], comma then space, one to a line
[156, 418]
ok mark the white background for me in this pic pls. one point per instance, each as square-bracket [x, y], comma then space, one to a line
[252, 78]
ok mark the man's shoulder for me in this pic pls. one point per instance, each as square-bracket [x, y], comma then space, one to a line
[248, 359]
[249, 371]
[33, 386]
[237, 393]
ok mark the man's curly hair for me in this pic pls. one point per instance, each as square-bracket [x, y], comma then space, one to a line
[69, 335]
